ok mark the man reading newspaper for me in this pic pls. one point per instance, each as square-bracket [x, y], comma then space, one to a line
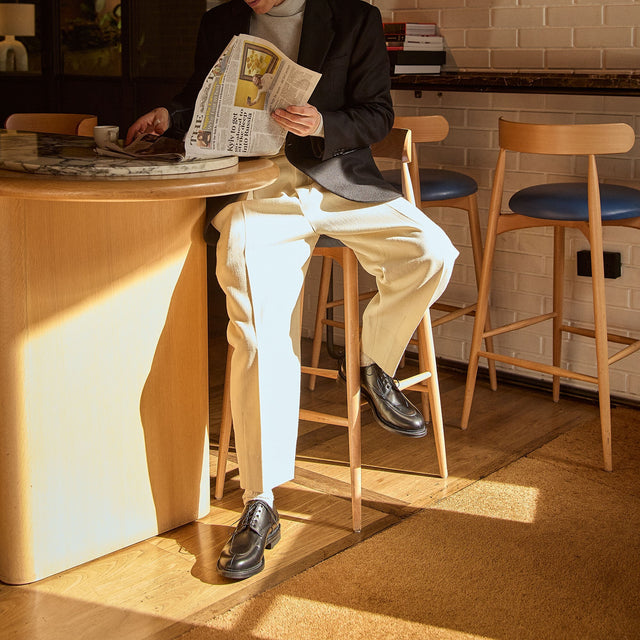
[250, 80]
[328, 184]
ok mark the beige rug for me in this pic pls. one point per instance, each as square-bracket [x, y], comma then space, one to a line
[548, 547]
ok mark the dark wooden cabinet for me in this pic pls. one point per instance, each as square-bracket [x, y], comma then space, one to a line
[114, 59]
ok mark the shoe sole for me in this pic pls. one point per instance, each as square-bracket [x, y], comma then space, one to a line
[272, 541]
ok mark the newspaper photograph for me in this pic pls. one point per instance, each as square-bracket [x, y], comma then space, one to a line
[247, 83]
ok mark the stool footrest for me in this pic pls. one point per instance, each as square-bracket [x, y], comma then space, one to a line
[326, 418]
[623, 353]
[538, 366]
[590, 333]
[323, 373]
[520, 324]
[452, 312]
[419, 378]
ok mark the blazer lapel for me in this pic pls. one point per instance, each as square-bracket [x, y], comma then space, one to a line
[241, 13]
[317, 34]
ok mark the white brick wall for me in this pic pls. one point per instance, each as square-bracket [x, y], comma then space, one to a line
[552, 35]
[557, 35]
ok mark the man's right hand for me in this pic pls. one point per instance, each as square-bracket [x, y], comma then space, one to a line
[156, 121]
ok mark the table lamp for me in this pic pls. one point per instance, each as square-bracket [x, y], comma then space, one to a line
[15, 20]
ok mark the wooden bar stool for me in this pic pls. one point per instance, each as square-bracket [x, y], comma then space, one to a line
[446, 188]
[586, 206]
[431, 188]
[398, 144]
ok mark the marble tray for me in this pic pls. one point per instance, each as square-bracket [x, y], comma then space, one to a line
[54, 154]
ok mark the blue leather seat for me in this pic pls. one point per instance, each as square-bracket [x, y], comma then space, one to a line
[568, 201]
[328, 242]
[438, 184]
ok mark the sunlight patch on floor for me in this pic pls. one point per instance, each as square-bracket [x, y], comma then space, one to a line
[496, 500]
[327, 621]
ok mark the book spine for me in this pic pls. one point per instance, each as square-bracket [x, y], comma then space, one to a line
[417, 57]
[417, 69]
[412, 46]
[414, 28]
[399, 37]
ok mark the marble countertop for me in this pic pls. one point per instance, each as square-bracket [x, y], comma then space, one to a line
[620, 84]
[55, 154]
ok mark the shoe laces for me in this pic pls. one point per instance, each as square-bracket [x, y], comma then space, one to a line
[388, 383]
[248, 517]
[252, 512]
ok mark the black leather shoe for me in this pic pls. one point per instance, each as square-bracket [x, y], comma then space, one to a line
[390, 407]
[243, 555]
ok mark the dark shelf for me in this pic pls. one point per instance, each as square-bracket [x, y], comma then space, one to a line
[627, 84]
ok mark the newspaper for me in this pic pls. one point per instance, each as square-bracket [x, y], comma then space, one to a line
[146, 145]
[232, 115]
[247, 83]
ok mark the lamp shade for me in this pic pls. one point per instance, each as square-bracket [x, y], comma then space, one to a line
[17, 19]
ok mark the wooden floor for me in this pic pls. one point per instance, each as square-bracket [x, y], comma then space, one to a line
[159, 587]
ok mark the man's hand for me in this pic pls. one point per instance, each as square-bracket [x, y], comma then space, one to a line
[302, 120]
[156, 121]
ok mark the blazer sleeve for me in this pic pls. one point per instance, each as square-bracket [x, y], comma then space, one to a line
[366, 115]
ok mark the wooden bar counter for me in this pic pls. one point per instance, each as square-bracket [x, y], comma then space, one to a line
[103, 360]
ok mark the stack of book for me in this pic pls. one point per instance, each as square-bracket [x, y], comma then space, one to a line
[414, 47]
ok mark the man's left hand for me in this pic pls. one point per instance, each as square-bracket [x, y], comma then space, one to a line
[302, 120]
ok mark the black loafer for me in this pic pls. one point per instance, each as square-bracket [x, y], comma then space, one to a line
[243, 555]
[390, 407]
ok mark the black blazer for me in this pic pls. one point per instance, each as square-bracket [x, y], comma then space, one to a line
[344, 41]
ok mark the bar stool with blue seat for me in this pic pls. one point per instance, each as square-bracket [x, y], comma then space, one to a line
[432, 187]
[585, 205]
[451, 189]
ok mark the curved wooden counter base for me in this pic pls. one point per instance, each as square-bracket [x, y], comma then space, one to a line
[103, 362]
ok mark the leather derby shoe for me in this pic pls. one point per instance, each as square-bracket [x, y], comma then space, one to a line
[390, 407]
[243, 555]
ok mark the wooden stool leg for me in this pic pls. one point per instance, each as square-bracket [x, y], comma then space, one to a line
[352, 349]
[476, 248]
[558, 295]
[428, 357]
[424, 366]
[476, 339]
[225, 429]
[483, 289]
[321, 313]
[600, 322]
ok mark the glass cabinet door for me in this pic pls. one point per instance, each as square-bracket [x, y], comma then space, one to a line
[91, 34]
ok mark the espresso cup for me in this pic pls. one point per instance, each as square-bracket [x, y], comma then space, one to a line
[106, 134]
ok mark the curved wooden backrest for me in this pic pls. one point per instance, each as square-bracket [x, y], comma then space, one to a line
[74, 124]
[566, 139]
[398, 146]
[424, 128]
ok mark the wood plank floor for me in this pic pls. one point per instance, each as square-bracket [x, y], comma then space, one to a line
[159, 587]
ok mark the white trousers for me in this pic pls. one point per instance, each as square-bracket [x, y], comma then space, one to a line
[262, 257]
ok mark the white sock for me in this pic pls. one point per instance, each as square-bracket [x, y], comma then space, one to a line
[365, 360]
[265, 496]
